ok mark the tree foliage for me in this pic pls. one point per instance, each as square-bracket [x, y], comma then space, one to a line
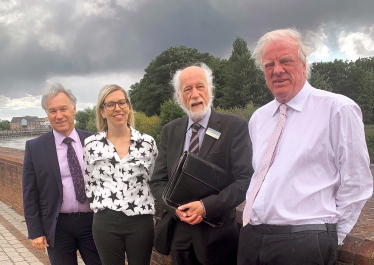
[148, 125]
[321, 81]
[352, 79]
[367, 96]
[4, 125]
[86, 119]
[245, 113]
[243, 81]
[154, 88]
[170, 110]
[238, 82]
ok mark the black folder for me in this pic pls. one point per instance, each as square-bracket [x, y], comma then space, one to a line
[193, 179]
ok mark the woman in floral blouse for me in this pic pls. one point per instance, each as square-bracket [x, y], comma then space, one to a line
[119, 162]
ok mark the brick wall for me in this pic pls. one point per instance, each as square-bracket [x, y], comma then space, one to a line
[11, 161]
[358, 248]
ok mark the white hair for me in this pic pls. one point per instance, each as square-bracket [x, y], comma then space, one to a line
[278, 34]
[175, 82]
[52, 90]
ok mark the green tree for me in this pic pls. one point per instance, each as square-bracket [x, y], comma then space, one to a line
[170, 110]
[86, 119]
[149, 125]
[218, 67]
[4, 125]
[244, 82]
[245, 113]
[367, 97]
[337, 74]
[320, 81]
[154, 88]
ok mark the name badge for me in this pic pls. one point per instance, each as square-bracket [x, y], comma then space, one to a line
[213, 133]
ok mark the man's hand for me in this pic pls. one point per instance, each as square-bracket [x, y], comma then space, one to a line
[191, 213]
[39, 243]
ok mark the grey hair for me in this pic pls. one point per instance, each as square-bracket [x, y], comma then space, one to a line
[175, 82]
[278, 34]
[52, 90]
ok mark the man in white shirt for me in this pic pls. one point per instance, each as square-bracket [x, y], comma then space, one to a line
[317, 179]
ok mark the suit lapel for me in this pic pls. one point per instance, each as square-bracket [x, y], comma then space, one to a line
[50, 148]
[179, 137]
[213, 123]
[81, 136]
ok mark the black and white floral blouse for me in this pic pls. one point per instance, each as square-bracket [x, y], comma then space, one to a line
[120, 184]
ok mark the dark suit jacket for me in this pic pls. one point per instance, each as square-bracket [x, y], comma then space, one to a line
[233, 152]
[42, 186]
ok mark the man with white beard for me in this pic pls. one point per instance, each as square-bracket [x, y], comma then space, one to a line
[218, 138]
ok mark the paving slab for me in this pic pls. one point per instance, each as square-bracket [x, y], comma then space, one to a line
[15, 248]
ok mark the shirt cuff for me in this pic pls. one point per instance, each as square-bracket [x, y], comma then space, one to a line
[204, 208]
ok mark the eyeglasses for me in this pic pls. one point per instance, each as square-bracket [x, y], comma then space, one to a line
[111, 105]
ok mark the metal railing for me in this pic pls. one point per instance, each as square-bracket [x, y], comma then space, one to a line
[21, 133]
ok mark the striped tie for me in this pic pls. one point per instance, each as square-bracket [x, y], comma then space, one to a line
[194, 143]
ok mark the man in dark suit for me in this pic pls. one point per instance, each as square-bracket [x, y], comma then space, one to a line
[51, 187]
[223, 140]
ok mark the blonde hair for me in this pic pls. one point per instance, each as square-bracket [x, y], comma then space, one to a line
[101, 123]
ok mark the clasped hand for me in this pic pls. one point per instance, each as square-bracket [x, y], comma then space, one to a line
[192, 213]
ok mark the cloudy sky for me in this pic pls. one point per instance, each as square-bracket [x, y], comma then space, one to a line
[87, 44]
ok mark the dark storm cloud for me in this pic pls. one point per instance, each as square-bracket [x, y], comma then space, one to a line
[63, 40]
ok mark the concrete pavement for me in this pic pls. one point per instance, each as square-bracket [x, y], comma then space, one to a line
[15, 248]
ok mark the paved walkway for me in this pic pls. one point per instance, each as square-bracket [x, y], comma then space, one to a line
[15, 248]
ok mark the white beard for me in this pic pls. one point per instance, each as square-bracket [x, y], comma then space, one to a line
[197, 115]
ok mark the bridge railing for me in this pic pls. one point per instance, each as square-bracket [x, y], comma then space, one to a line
[19, 133]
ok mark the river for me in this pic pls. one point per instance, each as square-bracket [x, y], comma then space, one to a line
[16, 142]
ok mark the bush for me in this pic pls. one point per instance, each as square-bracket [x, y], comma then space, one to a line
[86, 119]
[149, 125]
[369, 135]
[244, 113]
[169, 111]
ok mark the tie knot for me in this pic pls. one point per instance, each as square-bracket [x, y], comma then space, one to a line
[195, 127]
[283, 109]
[67, 140]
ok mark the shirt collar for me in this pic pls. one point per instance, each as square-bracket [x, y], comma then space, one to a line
[203, 122]
[134, 135]
[59, 137]
[297, 102]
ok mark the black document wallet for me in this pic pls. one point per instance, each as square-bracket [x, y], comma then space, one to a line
[193, 179]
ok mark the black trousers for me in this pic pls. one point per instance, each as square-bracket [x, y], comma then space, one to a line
[115, 234]
[182, 248]
[307, 247]
[74, 233]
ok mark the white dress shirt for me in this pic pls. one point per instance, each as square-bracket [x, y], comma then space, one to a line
[321, 169]
[120, 184]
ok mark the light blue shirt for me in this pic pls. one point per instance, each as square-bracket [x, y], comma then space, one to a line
[204, 124]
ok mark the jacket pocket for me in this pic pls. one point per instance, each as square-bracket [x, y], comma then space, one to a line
[43, 202]
[43, 212]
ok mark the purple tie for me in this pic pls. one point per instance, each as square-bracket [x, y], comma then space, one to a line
[266, 161]
[75, 171]
[194, 142]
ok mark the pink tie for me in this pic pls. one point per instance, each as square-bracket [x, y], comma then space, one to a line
[266, 161]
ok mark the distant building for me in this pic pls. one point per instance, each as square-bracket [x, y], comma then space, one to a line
[43, 123]
[29, 123]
